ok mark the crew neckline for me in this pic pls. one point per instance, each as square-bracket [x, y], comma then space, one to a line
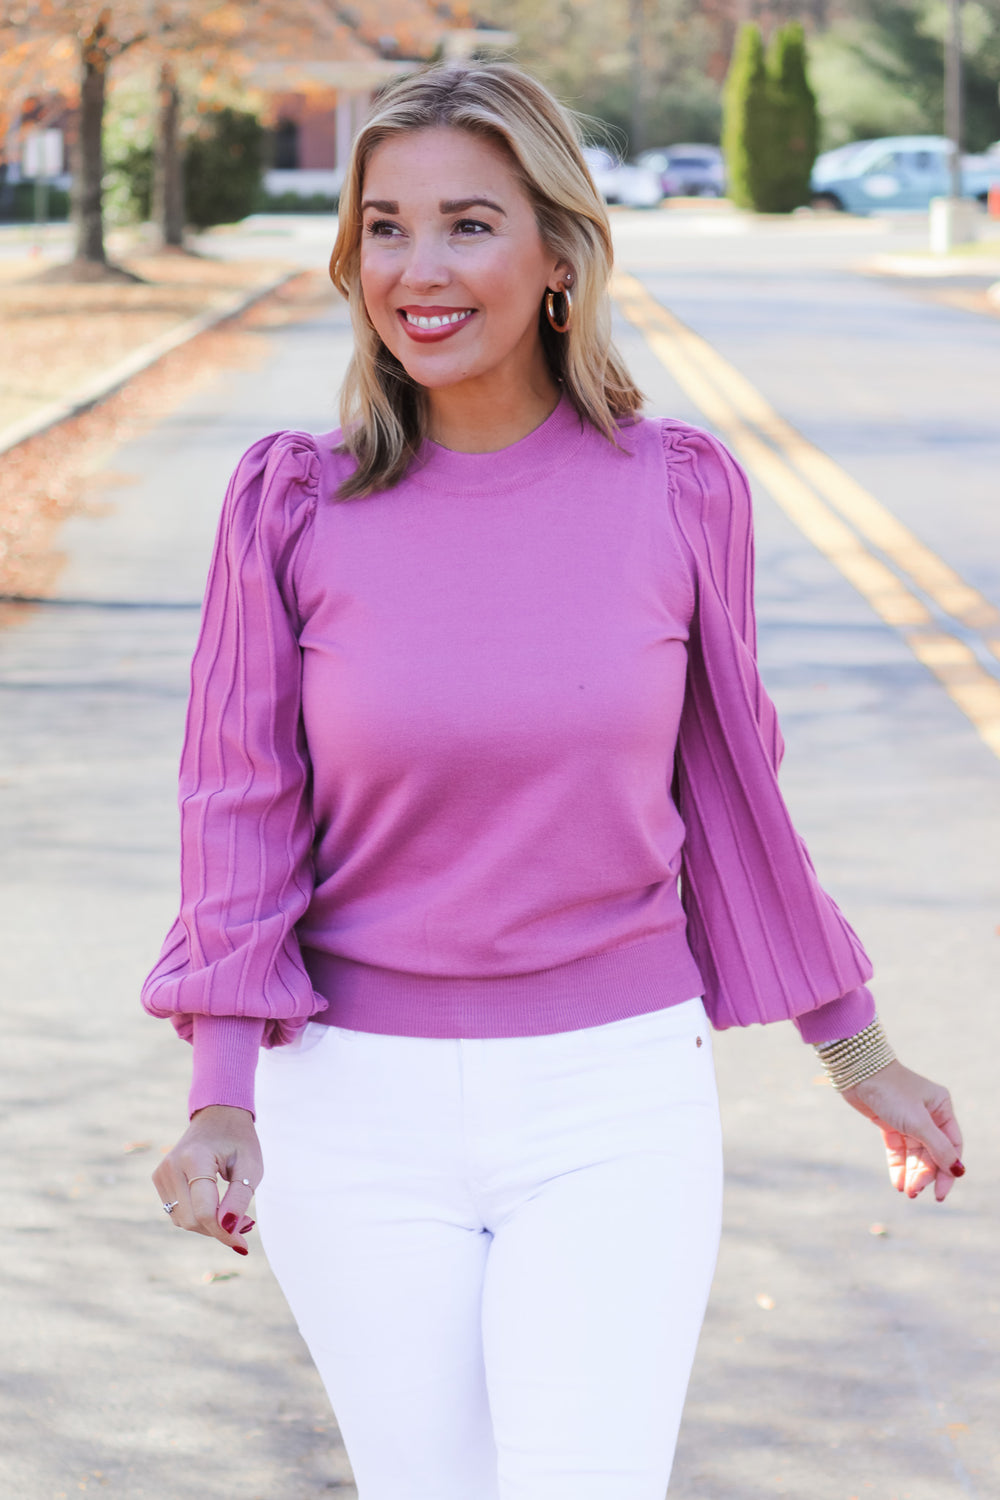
[544, 448]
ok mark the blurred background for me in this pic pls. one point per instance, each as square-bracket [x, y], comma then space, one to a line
[175, 112]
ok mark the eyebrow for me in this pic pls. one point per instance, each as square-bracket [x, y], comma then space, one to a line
[447, 205]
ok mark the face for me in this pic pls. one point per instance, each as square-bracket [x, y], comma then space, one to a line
[453, 269]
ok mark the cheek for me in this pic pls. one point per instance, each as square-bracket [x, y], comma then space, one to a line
[376, 283]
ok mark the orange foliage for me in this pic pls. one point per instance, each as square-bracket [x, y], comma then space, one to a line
[40, 41]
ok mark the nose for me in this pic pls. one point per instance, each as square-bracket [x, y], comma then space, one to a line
[425, 266]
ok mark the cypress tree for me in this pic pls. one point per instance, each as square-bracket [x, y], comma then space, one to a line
[770, 127]
[794, 117]
[745, 119]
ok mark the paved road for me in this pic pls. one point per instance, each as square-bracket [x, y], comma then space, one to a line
[835, 1362]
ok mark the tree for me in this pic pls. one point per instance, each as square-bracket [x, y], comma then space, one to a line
[795, 122]
[903, 43]
[222, 167]
[168, 162]
[770, 129]
[746, 120]
[69, 46]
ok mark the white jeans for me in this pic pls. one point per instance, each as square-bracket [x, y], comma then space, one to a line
[498, 1251]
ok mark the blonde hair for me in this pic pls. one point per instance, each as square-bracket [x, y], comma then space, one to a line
[383, 410]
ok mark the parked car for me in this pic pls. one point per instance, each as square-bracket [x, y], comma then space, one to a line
[621, 182]
[687, 171]
[893, 172]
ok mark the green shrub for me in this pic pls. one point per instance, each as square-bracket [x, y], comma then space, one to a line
[746, 122]
[295, 203]
[223, 165]
[770, 129]
[794, 120]
[17, 203]
[128, 185]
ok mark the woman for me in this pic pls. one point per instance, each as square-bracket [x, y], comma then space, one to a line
[475, 687]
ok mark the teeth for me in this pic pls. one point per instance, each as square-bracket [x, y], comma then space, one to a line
[436, 322]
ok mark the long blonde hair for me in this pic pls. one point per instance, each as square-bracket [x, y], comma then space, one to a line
[383, 411]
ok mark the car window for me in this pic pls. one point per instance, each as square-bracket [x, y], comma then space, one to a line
[889, 161]
[690, 161]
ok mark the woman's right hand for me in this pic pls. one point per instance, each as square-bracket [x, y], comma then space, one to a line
[220, 1141]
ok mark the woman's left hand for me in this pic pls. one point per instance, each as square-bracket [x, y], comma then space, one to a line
[922, 1140]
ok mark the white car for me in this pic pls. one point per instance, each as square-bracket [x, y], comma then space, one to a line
[620, 182]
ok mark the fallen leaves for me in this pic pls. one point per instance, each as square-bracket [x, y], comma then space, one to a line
[44, 480]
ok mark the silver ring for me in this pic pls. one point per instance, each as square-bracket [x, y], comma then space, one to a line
[168, 1208]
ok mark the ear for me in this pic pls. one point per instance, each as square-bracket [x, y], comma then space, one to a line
[561, 276]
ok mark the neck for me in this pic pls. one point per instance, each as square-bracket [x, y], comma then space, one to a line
[482, 417]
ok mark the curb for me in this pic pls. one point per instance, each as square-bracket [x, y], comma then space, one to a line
[111, 380]
[934, 268]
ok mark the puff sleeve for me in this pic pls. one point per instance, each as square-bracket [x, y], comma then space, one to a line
[230, 975]
[769, 941]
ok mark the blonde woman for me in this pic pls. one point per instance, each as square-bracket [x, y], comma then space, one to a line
[481, 835]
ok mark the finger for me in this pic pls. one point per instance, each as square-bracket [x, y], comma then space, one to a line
[933, 1139]
[205, 1206]
[895, 1151]
[233, 1218]
[944, 1115]
[171, 1186]
[920, 1169]
[943, 1185]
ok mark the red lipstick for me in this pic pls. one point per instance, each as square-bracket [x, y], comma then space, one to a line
[446, 321]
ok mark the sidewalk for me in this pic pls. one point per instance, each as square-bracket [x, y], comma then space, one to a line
[64, 346]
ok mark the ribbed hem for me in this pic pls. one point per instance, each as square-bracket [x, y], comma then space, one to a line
[225, 1061]
[838, 1018]
[649, 974]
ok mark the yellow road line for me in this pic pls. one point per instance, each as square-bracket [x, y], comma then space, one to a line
[822, 508]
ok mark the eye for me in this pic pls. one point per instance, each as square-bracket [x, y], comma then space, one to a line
[472, 227]
[381, 229]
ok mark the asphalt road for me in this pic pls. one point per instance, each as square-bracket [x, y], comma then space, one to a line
[836, 1362]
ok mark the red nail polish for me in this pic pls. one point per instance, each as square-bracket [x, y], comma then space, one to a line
[229, 1222]
[911, 1195]
[239, 1250]
[246, 1228]
[957, 1170]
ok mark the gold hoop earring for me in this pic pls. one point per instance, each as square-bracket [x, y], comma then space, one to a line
[550, 310]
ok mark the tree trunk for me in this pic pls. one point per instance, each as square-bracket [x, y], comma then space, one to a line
[168, 171]
[88, 165]
[637, 74]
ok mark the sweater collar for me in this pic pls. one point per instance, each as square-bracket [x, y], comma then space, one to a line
[546, 448]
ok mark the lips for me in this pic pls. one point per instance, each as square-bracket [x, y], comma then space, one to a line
[431, 324]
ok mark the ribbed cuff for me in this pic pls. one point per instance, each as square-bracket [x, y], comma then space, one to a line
[225, 1061]
[838, 1018]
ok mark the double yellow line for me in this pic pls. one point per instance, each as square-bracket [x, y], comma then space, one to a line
[889, 566]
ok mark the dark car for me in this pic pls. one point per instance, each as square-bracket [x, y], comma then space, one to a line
[687, 171]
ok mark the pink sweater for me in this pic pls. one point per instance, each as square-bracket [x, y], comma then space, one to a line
[441, 742]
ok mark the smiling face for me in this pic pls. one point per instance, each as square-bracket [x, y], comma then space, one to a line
[453, 268]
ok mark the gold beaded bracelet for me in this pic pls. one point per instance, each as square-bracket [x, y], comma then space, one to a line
[857, 1057]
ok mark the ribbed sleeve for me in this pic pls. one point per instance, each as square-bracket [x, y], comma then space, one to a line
[768, 940]
[230, 974]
